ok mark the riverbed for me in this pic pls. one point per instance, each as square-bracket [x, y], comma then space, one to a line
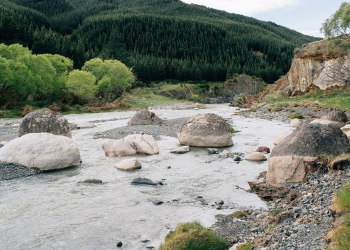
[54, 211]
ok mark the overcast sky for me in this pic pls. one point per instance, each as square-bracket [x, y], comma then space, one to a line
[305, 16]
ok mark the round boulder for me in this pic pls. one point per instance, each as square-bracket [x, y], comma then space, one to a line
[43, 151]
[337, 116]
[296, 123]
[44, 121]
[286, 164]
[129, 165]
[205, 130]
[144, 117]
[256, 156]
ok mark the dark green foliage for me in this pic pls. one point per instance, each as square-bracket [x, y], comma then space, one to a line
[160, 39]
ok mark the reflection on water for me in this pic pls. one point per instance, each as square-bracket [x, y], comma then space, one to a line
[54, 211]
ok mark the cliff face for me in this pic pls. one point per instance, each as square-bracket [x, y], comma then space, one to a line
[311, 67]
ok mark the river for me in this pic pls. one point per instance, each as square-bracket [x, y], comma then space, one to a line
[54, 211]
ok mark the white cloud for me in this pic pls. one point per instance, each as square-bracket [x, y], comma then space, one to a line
[245, 7]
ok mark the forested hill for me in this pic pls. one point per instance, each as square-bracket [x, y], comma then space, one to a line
[160, 39]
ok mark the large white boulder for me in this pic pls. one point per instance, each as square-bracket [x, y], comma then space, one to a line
[130, 145]
[43, 151]
[118, 148]
[129, 165]
[205, 130]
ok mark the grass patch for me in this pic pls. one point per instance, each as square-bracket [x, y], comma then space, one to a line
[244, 246]
[271, 227]
[233, 130]
[145, 97]
[193, 236]
[240, 214]
[296, 116]
[340, 236]
[276, 212]
[330, 98]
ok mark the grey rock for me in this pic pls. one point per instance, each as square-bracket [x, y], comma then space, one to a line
[145, 117]
[144, 181]
[213, 151]
[44, 121]
[313, 140]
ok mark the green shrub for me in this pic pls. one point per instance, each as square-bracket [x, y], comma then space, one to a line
[276, 108]
[195, 237]
[241, 99]
[244, 246]
[195, 98]
[296, 116]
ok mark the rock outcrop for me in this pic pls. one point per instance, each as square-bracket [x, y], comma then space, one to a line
[144, 117]
[130, 145]
[306, 143]
[44, 121]
[256, 156]
[43, 151]
[205, 130]
[313, 67]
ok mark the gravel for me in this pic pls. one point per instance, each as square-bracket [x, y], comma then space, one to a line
[309, 113]
[10, 171]
[301, 224]
[169, 128]
[8, 133]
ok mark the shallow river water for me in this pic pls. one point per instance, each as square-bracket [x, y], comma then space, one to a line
[54, 211]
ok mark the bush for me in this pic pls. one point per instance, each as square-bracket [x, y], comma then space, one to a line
[195, 237]
[195, 98]
[296, 116]
[26, 110]
[55, 107]
[241, 99]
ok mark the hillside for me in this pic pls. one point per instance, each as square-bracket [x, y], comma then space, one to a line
[160, 39]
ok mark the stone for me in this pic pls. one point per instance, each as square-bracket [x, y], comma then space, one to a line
[237, 158]
[145, 117]
[181, 150]
[337, 116]
[306, 143]
[144, 181]
[263, 149]
[346, 128]
[118, 148]
[219, 202]
[256, 156]
[213, 151]
[84, 125]
[145, 144]
[44, 121]
[129, 165]
[225, 153]
[93, 181]
[322, 121]
[280, 137]
[205, 130]
[296, 123]
[43, 151]
[119, 244]
[130, 145]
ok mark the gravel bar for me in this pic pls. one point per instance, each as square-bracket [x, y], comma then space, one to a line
[10, 171]
[301, 224]
[169, 128]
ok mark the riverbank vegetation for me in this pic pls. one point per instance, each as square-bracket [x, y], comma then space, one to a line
[340, 236]
[195, 237]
